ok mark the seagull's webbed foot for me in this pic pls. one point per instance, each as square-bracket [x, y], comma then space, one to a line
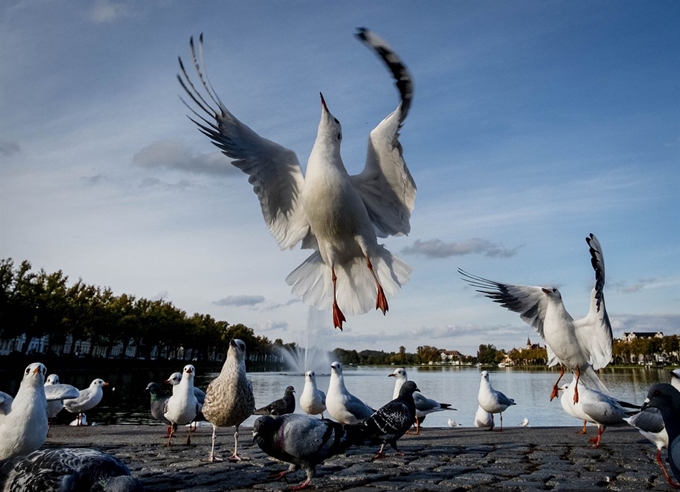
[381, 301]
[338, 317]
[234, 458]
[583, 431]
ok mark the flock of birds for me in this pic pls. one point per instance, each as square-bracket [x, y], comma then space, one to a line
[340, 217]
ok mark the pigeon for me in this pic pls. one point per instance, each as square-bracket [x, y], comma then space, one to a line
[303, 441]
[157, 404]
[583, 345]
[281, 406]
[182, 407]
[666, 398]
[67, 470]
[229, 398]
[675, 378]
[337, 215]
[650, 424]
[596, 407]
[392, 420]
[88, 399]
[174, 380]
[483, 419]
[23, 419]
[491, 400]
[340, 403]
[312, 399]
[424, 405]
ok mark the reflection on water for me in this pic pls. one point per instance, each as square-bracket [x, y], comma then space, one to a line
[125, 401]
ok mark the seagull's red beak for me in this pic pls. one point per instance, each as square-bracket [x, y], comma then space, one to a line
[390, 375]
[106, 384]
[323, 103]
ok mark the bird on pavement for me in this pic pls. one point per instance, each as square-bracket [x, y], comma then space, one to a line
[649, 422]
[229, 398]
[23, 419]
[303, 441]
[182, 407]
[583, 345]
[392, 420]
[174, 380]
[157, 404]
[491, 400]
[67, 470]
[87, 400]
[342, 405]
[666, 398]
[424, 405]
[483, 419]
[312, 399]
[327, 210]
[281, 406]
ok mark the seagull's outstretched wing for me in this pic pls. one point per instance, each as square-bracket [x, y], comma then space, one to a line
[55, 392]
[386, 185]
[273, 170]
[529, 301]
[594, 332]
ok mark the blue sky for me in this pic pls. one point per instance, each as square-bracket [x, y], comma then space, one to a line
[533, 124]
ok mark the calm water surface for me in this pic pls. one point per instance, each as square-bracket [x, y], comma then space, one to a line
[125, 401]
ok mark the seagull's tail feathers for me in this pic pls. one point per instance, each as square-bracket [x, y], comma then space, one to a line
[590, 378]
[356, 289]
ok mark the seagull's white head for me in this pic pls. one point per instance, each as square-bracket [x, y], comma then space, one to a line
[310, 376]
[189, 371]
[52, 379]
[553, 293]
[34, 374]
[174, 378]
[336, 368]
[98, 383]
[330, 129]
[399, 373]
[485, 376]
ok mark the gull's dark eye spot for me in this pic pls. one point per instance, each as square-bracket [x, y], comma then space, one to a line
[336, 120]
[339, 136]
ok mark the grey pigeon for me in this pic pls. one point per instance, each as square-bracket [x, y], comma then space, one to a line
[157, 404]
[303, 441]
[667, 399]
[650, 424]
[229, 398]
[281, 406]
[67, 470]
[392, 420]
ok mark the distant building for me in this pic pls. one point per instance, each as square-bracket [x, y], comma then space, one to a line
[632, 335]
[452, 357]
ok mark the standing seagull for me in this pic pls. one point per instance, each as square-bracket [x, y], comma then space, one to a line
[23, 419]
[342, 405]
[182, 407]
[424, 405]
[583, 345]
[175, 379]
[281, 406]
[229, 398]
[88, 399]
[312, 399]
[650, 424]
[53, 407]
[491, 400]
[667, 399]
[392, 420]
[338, 215]
[483, 419]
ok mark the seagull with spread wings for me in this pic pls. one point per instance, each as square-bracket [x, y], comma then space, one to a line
[327, 210]
[582, 345]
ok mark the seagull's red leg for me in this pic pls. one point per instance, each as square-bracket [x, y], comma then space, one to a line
[381, 300]
[303, 485]
[598, 439]
[583, 431]
[665, 473]
[338, 317]
[555, 390]
[578, 376]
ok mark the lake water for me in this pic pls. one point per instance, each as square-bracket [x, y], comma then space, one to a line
[125, 401]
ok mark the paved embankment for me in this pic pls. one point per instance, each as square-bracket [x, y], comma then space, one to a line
[460, 459]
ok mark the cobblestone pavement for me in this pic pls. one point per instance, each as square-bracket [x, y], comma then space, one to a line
[518, 459]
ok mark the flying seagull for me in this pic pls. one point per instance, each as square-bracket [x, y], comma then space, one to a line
[424, 405]
[342, 405]
[583, 345]
[491, 400]
[337, 215]
[229, 398]
[23, 419]
[281, 406]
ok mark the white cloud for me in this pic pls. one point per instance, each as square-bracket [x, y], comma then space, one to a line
[172, 154]
[240, 300]
[436, 248]
[105, 11]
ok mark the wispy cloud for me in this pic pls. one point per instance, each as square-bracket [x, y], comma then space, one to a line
[240, 300]
[436, 248]
[172, 154]
[9, 147]
[272, 326]
[106, 11]
[182, 184]
[277, 305]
